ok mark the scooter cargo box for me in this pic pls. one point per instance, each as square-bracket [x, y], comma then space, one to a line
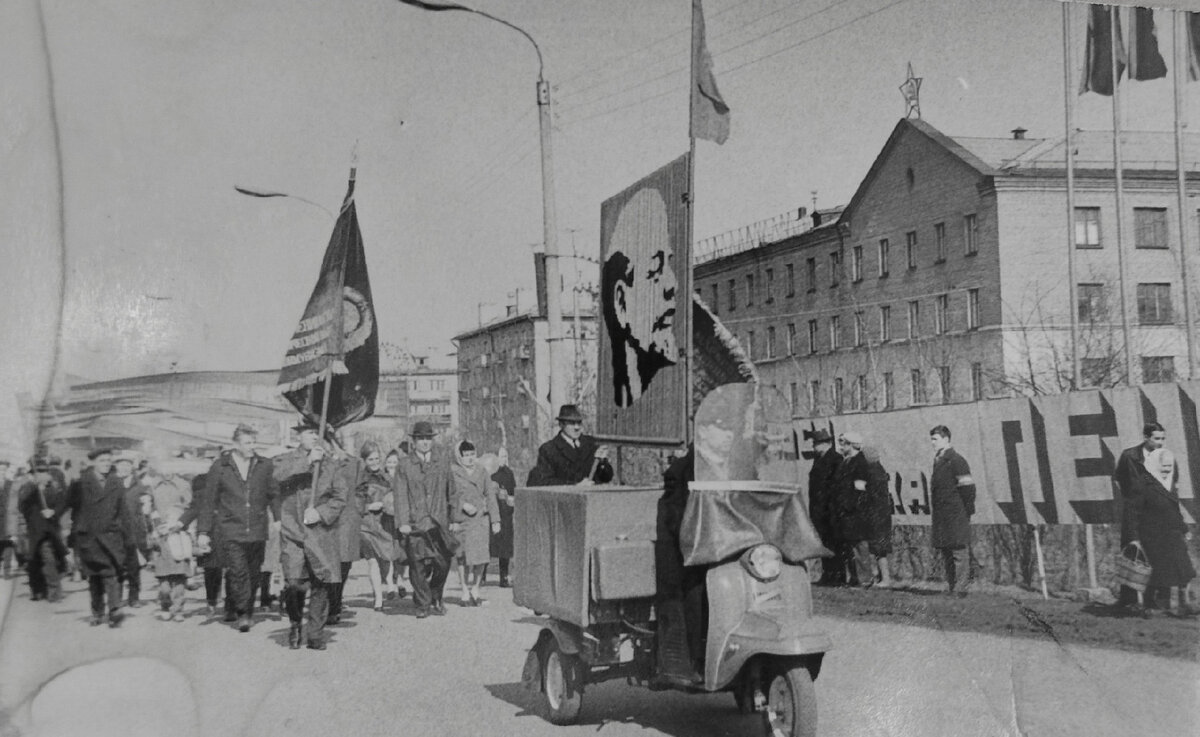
[572, 541]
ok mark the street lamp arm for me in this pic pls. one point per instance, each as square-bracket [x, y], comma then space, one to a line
[436, 7]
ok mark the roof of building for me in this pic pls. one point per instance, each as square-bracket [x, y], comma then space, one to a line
[507, 320]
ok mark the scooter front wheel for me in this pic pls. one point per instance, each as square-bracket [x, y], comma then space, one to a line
[791, 705]
[563, 688]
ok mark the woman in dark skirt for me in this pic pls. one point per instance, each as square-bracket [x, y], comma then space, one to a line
[1152, 512]
[391, 581]
[502, 542]
[375, 540]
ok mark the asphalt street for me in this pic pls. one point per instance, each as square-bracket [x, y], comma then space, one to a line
[389, 673]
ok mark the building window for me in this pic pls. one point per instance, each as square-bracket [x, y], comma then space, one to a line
[1150, 227]
[976, 381]
[944, 383]
[838, 394]
[814, 396]
[889, 391]
[791, 280]
[1156, 369]
[1154, 304]
[749, 290]
[770, 286]
[812, 275]
[794, 396]
[883, 258]
[941, 308]
[918, 387]
[732, 295]
[970, 235]
[910, 249]
[835, 331]
[914, 319]
[750, 344]
[858, 393]
[856, 262]
[939, 239]
[835, 268]
[885, 323]
[1087, 227]
[972, 309]
[860, 332]
[771, 342]
[812, 336]
[1093, 305]
[791, 339]
[716, 298]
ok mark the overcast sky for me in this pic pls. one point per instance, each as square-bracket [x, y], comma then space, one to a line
[163, 106]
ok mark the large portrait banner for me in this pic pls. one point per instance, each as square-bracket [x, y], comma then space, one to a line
[644, 275]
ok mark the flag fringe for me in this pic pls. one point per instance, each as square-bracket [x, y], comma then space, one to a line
[338, 367]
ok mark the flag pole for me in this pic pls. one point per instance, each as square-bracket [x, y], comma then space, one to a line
[1181, 180]
[686, 293]
[1068, 142]
[1120, 200]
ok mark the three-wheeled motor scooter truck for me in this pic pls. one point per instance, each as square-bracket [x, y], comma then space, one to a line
[586, 559]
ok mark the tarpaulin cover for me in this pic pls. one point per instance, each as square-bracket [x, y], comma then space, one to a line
[558, 527]
[723, 520]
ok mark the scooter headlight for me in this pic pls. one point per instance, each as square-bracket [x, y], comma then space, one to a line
[764, 562]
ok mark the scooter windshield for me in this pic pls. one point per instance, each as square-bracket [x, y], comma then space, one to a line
[745, 492]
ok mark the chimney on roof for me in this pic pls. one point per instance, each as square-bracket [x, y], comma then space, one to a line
[816, 218]
[1019, 133]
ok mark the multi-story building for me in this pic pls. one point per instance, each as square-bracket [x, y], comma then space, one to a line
[504, 380]
[946, 276]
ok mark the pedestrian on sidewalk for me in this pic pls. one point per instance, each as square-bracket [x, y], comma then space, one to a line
[394, 583]
[137, 547]
[99, 526]
[41, 500]
[952, 498]
[1152, 515]
[478, 514]
[171, 551]
[821, 495]
[8, 520]
[424, 495]
[502, 541]
[377, 544]
[349, 523]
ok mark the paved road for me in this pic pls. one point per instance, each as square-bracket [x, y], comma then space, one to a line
[459, 675]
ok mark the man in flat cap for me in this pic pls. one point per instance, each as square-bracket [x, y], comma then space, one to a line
[952, 498]
[41, 500]
[570, 457]
[99, 526]
[309, 549]
[424, 493]
[239, 487]
[820, 496]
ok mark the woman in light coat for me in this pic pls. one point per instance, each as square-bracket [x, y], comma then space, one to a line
[375, 541]
[479, 515]
[172, 556]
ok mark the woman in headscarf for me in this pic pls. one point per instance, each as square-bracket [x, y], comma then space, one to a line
[391, 582]
[476, 510]
[1152, 512]
[375, 539]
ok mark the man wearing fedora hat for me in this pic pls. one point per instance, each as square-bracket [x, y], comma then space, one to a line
[424, 493]
[570, 457]
[41, 500]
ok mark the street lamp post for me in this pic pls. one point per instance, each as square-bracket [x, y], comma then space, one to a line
[549, 227]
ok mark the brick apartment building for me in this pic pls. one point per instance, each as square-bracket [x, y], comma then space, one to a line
[945, 278]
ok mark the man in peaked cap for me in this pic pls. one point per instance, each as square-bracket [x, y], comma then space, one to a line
[569, 457]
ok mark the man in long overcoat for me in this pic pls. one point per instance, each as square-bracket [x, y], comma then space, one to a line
[424, 492]
[41, 500]
[99, 526]
[309, 550]
[820, 495]
[349, 524]
[132, 490]
[952, 496]
[1129, 474]
[567, 458]
[239, 487]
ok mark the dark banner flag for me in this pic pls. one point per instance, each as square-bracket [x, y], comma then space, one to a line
[645, 285]
[336, 344]
[1097, 69]
[1145, 61]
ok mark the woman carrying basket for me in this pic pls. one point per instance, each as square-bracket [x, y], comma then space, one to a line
[1153, 516]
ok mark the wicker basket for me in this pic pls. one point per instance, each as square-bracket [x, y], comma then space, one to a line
[1133, 572]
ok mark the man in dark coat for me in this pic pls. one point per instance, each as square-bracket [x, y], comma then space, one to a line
[679, 600]
[41, 500]
[567, 459]
[820, 495]
[99, 526]
[8, 522]
[131, 489]
[233, 519]
[349, 526]
[1129, 474]
[424, 493]
[952, 496]
[309, 548]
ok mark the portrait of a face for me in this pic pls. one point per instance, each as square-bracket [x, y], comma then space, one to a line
[639, 285]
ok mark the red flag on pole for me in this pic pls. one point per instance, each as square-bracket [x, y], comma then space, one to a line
[710, 114]
[335, 347]
[1145, 61]
[1097, 62]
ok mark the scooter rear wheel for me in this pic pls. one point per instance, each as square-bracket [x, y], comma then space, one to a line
[563, 687]
[791, 705]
